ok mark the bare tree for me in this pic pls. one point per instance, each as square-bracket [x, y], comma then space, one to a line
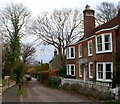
[107, 11]
[27, 51]
[59, 28]
[13, 19]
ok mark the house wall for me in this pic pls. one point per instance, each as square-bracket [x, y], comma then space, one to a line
[101, 57]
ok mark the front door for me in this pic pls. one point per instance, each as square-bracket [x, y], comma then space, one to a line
[85, 73]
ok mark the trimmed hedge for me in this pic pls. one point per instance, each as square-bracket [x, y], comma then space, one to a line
[44, 75]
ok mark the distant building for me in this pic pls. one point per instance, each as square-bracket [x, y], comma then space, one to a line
[55, 63]
[93, 57]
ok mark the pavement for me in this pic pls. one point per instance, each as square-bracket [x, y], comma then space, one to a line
[10, 95]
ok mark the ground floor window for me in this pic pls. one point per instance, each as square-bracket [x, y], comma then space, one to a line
[90, 70]
[104, 71]
[80, 70]
[71, 69]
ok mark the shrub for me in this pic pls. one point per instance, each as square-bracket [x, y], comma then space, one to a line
[54, 82]
[44, 75]
[20, 90]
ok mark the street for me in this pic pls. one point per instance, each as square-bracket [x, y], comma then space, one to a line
[36, 92]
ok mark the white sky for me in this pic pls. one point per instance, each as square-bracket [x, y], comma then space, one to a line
[37, 6]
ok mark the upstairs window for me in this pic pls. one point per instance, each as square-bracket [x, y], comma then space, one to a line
[90, 48]
[107, 40]
[80, 50]
[70, 52]
[104, 43]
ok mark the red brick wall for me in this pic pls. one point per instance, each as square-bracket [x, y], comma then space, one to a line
[103, 57]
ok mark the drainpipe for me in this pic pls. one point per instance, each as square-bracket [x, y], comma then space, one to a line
[95, 61]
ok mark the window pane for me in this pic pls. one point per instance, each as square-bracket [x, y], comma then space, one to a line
[107, 42]
[107, 46]
[108, 75]
[91, 69]
[108, 71]
[90, 47]
[100, 47]
[80, 69]
[108, 67]
[100, 71]
[107, 38]
[99, 43]
[72, 52]
[99, 39]
[72, 70]
[80, 50]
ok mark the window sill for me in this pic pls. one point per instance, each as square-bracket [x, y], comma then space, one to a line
[103, 52]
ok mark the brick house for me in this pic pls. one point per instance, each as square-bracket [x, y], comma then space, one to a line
[93, 57]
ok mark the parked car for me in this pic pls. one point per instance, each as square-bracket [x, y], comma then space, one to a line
[28, 77]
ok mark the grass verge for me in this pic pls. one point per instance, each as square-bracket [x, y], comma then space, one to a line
[20, 90]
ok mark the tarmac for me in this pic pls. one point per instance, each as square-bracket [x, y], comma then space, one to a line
[11, 96]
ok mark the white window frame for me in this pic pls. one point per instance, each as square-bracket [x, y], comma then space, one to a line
[69, 69]
[90, 54]
[80, 74]
[90, 70]
[80, 50]
[69, 52]
[103, 43]
[104, 71]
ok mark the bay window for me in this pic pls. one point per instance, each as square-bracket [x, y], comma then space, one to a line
[104, 71]
[104, 43]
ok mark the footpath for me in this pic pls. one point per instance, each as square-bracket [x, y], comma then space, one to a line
[10, 95]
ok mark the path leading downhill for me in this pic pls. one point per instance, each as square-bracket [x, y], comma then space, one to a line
[40, 93]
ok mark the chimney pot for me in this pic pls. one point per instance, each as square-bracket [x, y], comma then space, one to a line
[87, 7]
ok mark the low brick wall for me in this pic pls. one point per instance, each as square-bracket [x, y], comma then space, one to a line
[7, 83]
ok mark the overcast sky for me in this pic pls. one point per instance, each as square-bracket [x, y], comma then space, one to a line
[37, 6]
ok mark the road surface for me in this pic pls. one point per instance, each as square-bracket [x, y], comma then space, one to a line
[37, 92]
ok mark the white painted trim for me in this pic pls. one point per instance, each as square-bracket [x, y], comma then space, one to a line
[69, 49]
[69, 70]
[115, 27]
[89, 69]
[104, 71]
[79, 50]
[80, 75]
[89, 48]
[86, 39]
[103, 43]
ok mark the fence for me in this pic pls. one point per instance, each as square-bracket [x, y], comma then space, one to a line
[104, 87]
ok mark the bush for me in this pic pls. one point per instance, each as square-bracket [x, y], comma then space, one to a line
[88, 92]
[54, 82]
[44, 75]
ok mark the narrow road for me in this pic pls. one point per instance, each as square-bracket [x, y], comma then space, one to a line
[37, 92]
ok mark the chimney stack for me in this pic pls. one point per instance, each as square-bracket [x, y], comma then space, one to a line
[89, 21]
